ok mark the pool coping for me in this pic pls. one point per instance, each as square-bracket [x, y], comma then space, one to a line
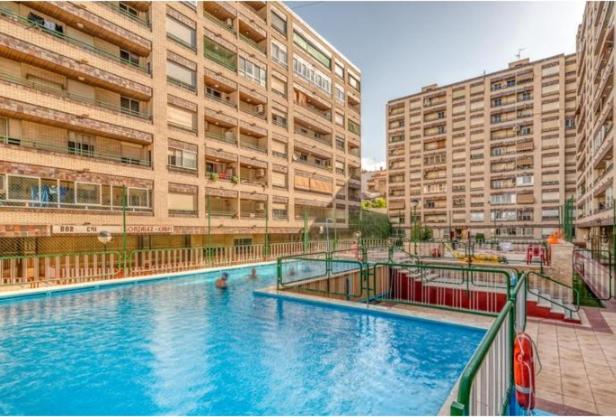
[273, 292]
[163, 276]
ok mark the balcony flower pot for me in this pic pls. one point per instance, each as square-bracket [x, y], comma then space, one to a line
[213, 176]
[235, 179]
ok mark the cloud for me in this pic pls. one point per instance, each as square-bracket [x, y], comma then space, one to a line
[370, 164]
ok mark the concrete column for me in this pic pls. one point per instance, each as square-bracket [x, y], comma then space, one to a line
[561, 268]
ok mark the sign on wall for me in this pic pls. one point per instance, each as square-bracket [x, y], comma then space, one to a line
[64, 229]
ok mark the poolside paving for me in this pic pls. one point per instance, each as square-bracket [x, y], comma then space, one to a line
[578, 375]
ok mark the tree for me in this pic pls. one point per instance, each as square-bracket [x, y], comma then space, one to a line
[379, 202]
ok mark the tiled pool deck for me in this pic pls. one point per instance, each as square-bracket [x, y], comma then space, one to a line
[579, 364]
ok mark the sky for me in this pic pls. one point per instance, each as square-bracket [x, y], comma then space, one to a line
[403, 46]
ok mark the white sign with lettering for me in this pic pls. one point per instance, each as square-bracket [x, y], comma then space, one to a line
[67, 229]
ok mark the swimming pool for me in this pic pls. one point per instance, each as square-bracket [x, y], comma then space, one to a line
[181, 346]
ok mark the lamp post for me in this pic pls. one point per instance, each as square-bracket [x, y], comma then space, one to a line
[414, 203]
[104, 237]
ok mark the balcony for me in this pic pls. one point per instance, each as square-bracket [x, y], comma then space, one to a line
[353, 127]
[140, 18]
[254, 143]
[33, 85]
[250, 209]
[32, 23]
[251, 38]
[92, 24]
[219, 54]
[307, 132]
[65, 147]
[54, 194]
[253, 176]
[221, 14]
[221, 135]
[221, 207]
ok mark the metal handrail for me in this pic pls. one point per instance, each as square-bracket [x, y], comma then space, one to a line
[560, 288]
[220, 137]
[217, 21]
[70, 40]
[114, 6]
[71, 96]
[463, 406]
[33, 144]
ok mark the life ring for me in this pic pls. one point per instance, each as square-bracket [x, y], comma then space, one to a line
[524, 371]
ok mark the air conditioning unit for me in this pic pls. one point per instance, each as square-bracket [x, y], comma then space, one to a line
[260, 108]
[260, 206]
[229, 22]
[261, 173]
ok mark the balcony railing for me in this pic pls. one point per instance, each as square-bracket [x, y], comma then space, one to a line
[252, 43]
[314, 164]
[325, 115]
[218, 22]
[181, 84]
[252, 215]
[283, 155]
[220, 100]
[221, 137]
[314, 136]
[116, 8]
[70, 40]
[253, 146]
[221, 213]
[68, 150]
[71, 96]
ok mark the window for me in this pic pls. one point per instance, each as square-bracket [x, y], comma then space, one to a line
[312, 50]
[181, 76]
[182, 158]
[524, 180]
[311, 74]
[138, 197]
[129, 58]
[340, 143]
[339, 119]
[128, 10]
[279, 53]
[353, 82]
[80, 144]
[279, 23]
[339, 70]
[524, 96]
[496, 118]
[181, 33]
[23, 188]
[510, 82]
[181, 118]
[252, 71]
[525, 130]
[496, 102]
[339, 93]
[569, 123]
[129, 105]
[88, 193]
[477, 216]
[182, 203]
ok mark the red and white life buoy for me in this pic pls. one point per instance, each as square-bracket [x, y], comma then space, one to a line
[524, 371]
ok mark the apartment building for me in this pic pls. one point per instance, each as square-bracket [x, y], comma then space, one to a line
[595, 119]
[374, 184]
[494, 154]
[215, 122]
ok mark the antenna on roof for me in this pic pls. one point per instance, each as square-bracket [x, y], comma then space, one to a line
[519, 54]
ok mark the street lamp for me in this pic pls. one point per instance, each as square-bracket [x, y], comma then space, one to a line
[414, 203]
[104, 237]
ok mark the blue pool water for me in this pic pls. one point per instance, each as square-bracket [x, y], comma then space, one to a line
[181, 346]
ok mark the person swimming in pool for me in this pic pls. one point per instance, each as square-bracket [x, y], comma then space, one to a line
[222, 281]
[253, 274]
